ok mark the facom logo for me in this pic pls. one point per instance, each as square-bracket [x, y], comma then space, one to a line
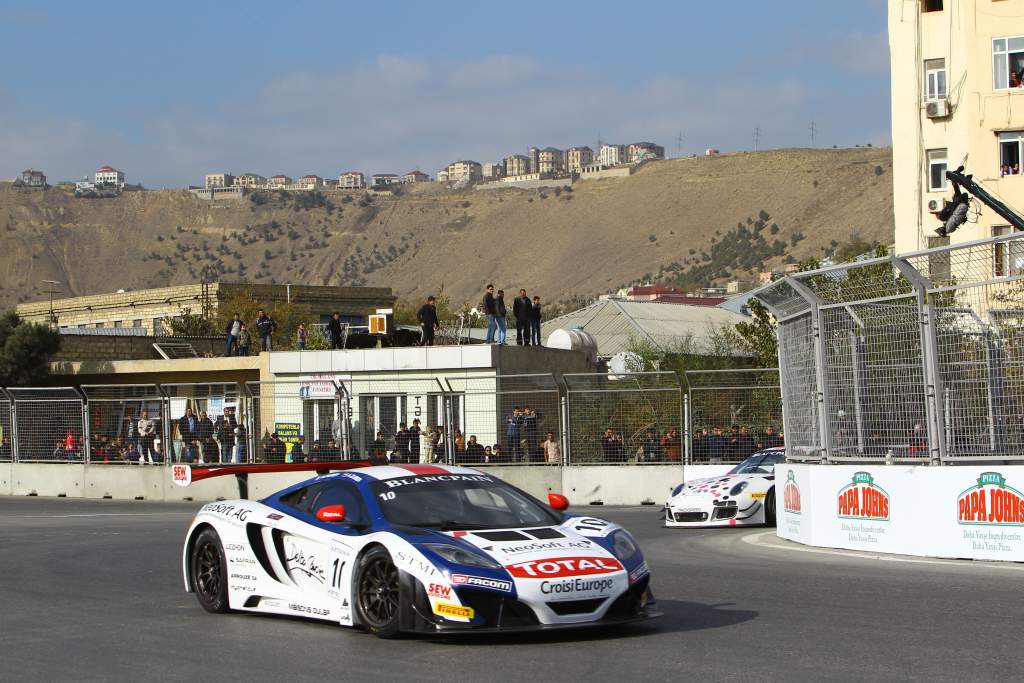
[991, 502]
[564, 566]
[791, 494]
[864, 499]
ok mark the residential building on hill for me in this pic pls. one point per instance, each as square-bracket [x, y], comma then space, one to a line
[279, 181]
[613, 155]
[517, 164]
[644, 151]
[109, 176]
[493, 171]
[33, 178]
[534, 155]
[578, 157]
[957, 69]
[415, 177]
[466, 171]
[251, 181]
[351, 180]
[382, 179]
[310, 182]
[550, 160]
[213, 180]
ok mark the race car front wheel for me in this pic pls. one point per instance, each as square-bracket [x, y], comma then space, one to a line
[377, 594]
[209, 572]
[769, 507]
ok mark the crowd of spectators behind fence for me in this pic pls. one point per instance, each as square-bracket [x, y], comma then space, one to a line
[710, 445]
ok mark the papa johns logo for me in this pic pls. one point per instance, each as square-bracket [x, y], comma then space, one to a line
[862, 498]
[791, 494]
[991, 502]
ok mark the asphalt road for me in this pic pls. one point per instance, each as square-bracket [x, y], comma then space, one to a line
[91, 590]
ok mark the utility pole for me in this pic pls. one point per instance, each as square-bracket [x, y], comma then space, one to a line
[680, 139]
[757, 138]
[814, 132]
[51, 287]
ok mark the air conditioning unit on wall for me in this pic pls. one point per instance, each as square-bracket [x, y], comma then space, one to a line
[937, 109]
[935, 205]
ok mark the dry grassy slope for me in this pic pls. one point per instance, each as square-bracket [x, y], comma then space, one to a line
[597, 240]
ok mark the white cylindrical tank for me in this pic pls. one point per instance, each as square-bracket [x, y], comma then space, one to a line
[574, 340]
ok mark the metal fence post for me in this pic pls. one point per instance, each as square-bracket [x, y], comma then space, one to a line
[929, 362]
[86, 426]
[448, 422]
[12, 408]
[821, 362]
[566, 441]
[686, 428]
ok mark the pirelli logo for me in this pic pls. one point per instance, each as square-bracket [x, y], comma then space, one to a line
[457, 611]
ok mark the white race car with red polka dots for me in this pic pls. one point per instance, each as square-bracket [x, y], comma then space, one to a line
[743, 497]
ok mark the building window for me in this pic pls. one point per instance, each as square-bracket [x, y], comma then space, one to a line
[1007, 257]
[935, 79]
[936, 170]
[1010, 143]
[1007, 62]
[931, 5]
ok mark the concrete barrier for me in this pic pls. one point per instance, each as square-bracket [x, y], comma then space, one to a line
[6, 477]
[960, 512]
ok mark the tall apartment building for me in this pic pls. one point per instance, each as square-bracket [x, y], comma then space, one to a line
[517, 164]
[957, 68]
[213, 180]
[534, 155]
[578, 157]
[493, 170]
[613, 155]
[108, 175]
[351, 180]
[551, 160]
[251, 180]
[464, 171]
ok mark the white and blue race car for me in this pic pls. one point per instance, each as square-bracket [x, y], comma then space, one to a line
[414, 548]
[744, 496]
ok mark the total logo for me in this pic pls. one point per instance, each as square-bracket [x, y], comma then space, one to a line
[566, 566]
[791, 494]
[991, 502]
[863, 499]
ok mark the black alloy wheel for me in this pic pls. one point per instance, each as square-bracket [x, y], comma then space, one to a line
[377, 593]
[769, 507]
[209, 572]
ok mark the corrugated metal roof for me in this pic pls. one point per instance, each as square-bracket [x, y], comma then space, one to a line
[613, 323]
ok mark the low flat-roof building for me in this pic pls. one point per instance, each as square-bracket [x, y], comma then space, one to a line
[351, 180]
[213, 180]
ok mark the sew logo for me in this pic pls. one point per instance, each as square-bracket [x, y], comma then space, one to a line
[864, 499]
[791, 494]
[181, 475]
[991, 502]
[436, 590]
[567, 566]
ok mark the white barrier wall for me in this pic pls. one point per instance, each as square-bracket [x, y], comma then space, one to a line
[959, 512]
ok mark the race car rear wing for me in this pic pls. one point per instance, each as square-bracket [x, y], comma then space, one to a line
[183, 474]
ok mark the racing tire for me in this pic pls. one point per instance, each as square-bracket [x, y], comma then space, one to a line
[377, 596]
[769, 507]
[209, 571]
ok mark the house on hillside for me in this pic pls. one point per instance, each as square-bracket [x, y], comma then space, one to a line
[517, 164]
[310, 182]
[251, 180]
[612, 155]
[385, 179]
[465, 170]
[415, 177]
[213, 180]
[108, 176]
[645, 151]
[351, 180]
[32, 179]
[279, 181]
[576, 158]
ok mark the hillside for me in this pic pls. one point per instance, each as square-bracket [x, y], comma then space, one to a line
[760, 208]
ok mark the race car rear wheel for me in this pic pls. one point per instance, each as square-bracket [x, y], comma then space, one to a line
[769, 507]
[209, 571]
[377, 595]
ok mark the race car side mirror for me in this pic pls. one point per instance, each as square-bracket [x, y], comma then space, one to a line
[558, 502]
[332, 514]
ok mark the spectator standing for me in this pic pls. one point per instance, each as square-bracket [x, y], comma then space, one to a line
[744, 443]
[535, 318]
[771, 439]
[500, 313]
[490, 310]
[275, 450]
[401, 453]
[715, 446]
[531, 444]
[513, 432]
[460, 442]
[244, 341]
[224, 429]
[551, 449]
[672, 446]
[204, 434]
[297, 452]
[474, 451]
[234, 328]
[265, 326]
[379, 450]
[188, 427]
[240, 455]
[147, 435]
[487, 456]
[130, 430]
[650, 447]
[414, 441]
[334, 330]
[427, 316]
[521, 310]
[427, 447]
[301, 334]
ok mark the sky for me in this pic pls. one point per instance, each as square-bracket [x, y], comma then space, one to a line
[170, 91]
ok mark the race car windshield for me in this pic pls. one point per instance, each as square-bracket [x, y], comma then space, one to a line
[458, 501]
[759, 463]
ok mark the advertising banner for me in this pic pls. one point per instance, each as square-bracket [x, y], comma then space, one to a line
[965, 512]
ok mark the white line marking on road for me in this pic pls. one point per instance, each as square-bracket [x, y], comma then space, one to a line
[100, 514]
[755, 539]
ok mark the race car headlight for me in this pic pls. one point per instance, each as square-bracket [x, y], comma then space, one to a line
[457, 555]
[738, 488]
[623, 545]
[676, 490]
